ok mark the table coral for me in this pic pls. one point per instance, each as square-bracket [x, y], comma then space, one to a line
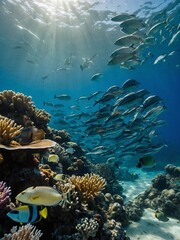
[89, 186]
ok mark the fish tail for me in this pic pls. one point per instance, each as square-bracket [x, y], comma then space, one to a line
[43, 213]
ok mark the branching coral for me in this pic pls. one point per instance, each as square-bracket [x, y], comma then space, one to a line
[88, 228]
[5, 192]
[26, 232]
[8, 130]
[89, 185]
[68, 190]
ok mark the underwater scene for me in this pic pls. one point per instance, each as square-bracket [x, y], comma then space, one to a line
[89, 120]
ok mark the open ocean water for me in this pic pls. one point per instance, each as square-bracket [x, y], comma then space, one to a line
[54, 48]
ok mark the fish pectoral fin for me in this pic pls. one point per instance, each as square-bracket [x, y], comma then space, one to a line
[34, 198]
[43, 213]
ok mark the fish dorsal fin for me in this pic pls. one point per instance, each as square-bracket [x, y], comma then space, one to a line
[22, 208]
[43, 213]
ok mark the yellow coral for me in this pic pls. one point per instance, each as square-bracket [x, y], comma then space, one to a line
[89, 185]
[8, 130]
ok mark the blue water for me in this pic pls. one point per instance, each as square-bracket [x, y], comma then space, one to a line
[82, 29]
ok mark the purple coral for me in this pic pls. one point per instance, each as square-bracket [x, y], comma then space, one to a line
[5, 193]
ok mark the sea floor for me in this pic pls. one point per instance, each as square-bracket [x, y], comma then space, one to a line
[148, 228]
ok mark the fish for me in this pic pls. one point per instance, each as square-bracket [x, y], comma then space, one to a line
[28, 31]
[156, 28]
[96, 76]
[70, 150]
[129, 41]
[113, 90]
[87, 62]
[131, 25]
[129, 84]
[39, 134]
[130, 64]
[59, 177]
[40, 195]
[160, 58]
[53, 158]
[104, 99]
[122, 58]
[45, 77]
[94, 94]
[128, 100]
[121, 50]
[122, 17]
[161, 216]
[174, 37]
[17, 47]
[31, 61]
[28, 213]
[57, 105]
[146, 161]
[62, 97]
[50, 104]
[29, 134]
[151, 101]
[153, 113]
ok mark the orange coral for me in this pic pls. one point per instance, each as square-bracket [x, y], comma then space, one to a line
[8, 130]
[89, 185]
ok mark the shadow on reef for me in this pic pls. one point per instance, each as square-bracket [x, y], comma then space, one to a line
[92, 203]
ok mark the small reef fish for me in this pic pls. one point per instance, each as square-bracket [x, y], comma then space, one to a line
[29, 134]
[50, 104]
[28, 213]
[146, 162]
[53, 158]
[96, 76]
[62, 97]
[40, 195]
[59, 177]
[161, 216]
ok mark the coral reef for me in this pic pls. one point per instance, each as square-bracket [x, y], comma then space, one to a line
[5, 193]
[8, 130]
[26, 232]
[89, 186]
[106, 171]
[87, 227]
[17, 105]
[87, 209]
[162, 195]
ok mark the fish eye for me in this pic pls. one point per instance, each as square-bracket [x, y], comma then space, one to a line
[23, 193]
